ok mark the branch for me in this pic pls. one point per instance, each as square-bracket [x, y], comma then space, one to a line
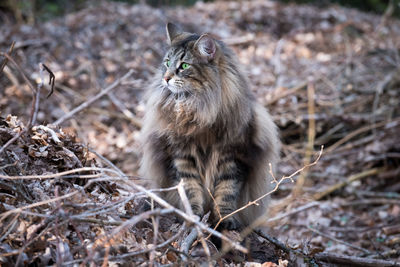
[185, 216]
[6, 59]
[354, 261]
[349, 180]
[35, 102]
[93, 99]
[339, 241]
[277, 184]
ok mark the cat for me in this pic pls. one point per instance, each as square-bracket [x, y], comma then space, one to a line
[203, 126]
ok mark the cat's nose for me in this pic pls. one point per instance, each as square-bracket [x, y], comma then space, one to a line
[167, 78]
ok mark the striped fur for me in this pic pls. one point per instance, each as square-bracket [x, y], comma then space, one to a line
[203, 125]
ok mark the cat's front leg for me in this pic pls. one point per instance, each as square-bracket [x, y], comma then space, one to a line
[187, 172]
[228, 185]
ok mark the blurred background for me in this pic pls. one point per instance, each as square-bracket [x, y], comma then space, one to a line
[31, 10]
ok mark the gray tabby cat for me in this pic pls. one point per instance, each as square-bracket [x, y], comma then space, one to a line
[204, 126]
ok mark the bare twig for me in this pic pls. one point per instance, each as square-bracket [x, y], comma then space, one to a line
[287, 92]
[196, 230]
[379, 90]
[392, 229]
[35, 103]
[52, 133]
[277, 184]
[294, 211]
[109, 163]
[93, 99]
[155, 221]
[55, 175]
[375, 201]
[358, 131]
[366, 251]
[311, 138]
[343, 260]
[262, 219]
[51, 79]
[273, 240]
[6, 59]
[391, 7]
[277, 64]
[349, 180]
[10, 227]
[128, 114]
[187, 242]
[185, 216]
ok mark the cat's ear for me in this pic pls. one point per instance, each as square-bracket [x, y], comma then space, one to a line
[206, 46]
[172, 31]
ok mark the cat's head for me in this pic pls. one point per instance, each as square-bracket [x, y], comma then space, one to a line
[189, 66]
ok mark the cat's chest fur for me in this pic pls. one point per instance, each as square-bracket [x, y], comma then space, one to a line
[207, 153]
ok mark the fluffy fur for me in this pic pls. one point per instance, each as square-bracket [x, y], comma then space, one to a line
[203, 125]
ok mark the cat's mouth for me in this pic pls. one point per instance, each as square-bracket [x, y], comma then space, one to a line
[174, 89]
[177, 92]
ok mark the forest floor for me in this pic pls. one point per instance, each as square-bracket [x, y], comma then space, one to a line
[329, 76]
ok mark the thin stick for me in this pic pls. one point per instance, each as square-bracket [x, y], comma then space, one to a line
[195, 231]
[55, 175]
[155, 221]
[6, 59]
[311, 139]
[35, 104]
[185, 216]
[349, 180]
[343, 260]
[93, 99]
[52, 133]
[287, 93]
[277, 184]
[108, 162]
[52, 78]
[37, 95]
[127, 113]
[294, 211]
[187, 243]
[262, 219]
[10, 227]
[366, 251]
[359, 131]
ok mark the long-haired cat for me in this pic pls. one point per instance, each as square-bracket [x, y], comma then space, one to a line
[204, 126]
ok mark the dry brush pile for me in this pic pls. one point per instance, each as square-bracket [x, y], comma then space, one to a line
[68, 189]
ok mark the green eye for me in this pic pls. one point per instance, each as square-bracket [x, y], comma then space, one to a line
[185, 66]
[168, 63]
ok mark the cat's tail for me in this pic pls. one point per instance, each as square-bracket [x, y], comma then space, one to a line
[259, 183]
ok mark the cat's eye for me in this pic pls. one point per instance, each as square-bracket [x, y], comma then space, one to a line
[185, 66]
[168, 63]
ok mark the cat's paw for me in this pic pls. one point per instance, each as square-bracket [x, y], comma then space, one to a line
[230, 224]
[197, 210]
